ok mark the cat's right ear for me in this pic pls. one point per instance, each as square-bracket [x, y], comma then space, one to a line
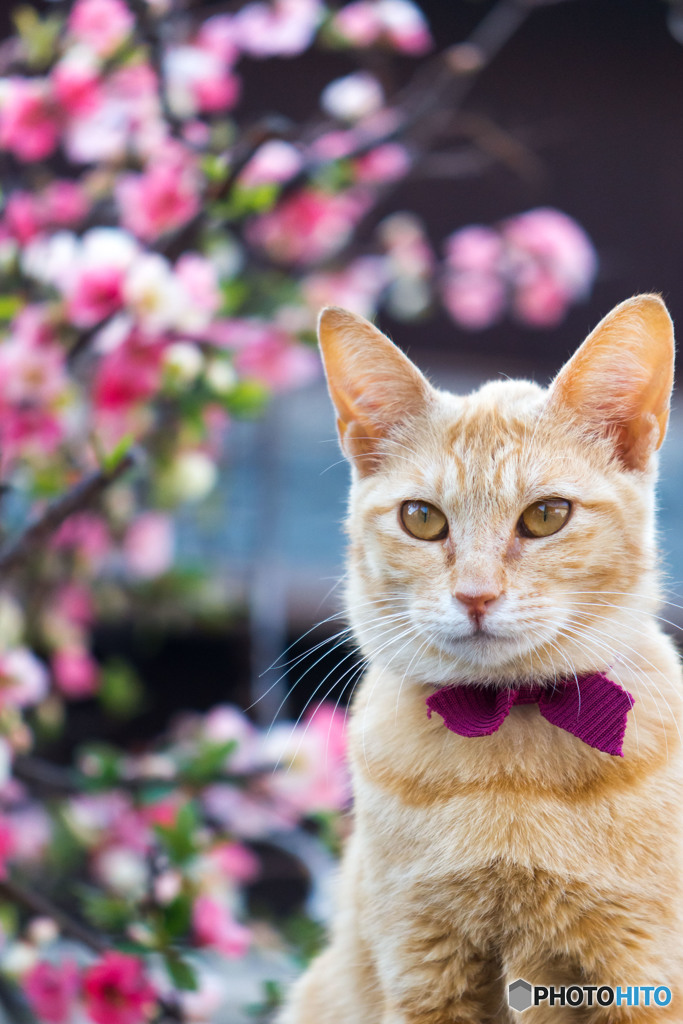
[373, 385]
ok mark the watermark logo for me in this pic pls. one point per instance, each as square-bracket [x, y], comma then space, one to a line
[522, 994]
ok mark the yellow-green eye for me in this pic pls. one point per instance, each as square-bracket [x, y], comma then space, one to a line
[544, 517]
[424, 521]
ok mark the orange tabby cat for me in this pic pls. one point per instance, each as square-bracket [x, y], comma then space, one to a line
[501, 539]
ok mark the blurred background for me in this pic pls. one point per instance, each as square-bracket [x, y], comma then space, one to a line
[184, 185]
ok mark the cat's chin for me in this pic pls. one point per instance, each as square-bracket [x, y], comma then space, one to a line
[483, 652]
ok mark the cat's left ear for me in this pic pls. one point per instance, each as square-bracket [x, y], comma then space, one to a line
[618, 384]
[373, 385]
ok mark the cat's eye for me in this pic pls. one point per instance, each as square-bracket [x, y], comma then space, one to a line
[424, 521]
[544, 517]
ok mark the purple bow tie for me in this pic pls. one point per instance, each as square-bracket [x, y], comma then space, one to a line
[592, 708]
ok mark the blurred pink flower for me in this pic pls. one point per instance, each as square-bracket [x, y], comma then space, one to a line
[357, 287]
[127, 375]
[163, 198]
[65, 202]
[199, 81]
[7, 845]
[87, 534]
[552, 263]
[117, 990]
[23, 678]
[102, 25]
[312, 756]
[28, 122]
[197, 276]
[148, 545]
[236, 861]
[96, 293]
[24, 216]
[278, 362]
[214, 926]
[283, 28]
[274, 161]
[75, 603]
[75, 671]
[405, 27]
[475, 248]
[358, 23]
[398, 23]
[52, 990]
[32, 832]
[309, 226]
[385, 163]
[474, 299]
[218, 35]
[76, 87]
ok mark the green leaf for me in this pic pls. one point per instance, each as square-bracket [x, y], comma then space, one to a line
[110, 460]
[9, 306]
[38, 35]
[182, 974]
[104, 911]
[178, 839]
[101, 766]
[248, 398]
[121, 693]
[245, 202]
[209, 762]
[215, 167]
[234, 293]
[177, 917]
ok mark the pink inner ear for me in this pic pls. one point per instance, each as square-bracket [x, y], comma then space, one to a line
[620, 380]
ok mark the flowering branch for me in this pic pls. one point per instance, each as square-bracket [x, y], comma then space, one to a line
[82, 496]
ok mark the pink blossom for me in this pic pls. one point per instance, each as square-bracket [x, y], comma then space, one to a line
[76, 672]
[65, 203]
[405, 26]
[31, 375]
[102, 25]
[236, 861]
[475, 248]
[198, 80]
[398, 23]
[214, 926]
[127, 375]
[274, 161]
[283, 28]
[313, 756]
[24, 216]
[158, 201]
[87, 534]
[358, 286]
[474, 300]
[541, 300]
[266, 352]
[385, 163]
[34, 326]
[218, 35]
[549, 240]
[336, 145]
[96, 293]
[52, 989]
[148, 545]
[28, 123]
[74, 602]
[358, 23]
[76, 87]
[23, 678]
[117, 990]
[32, 832]
[7, 845]
[28, 432]
[309, 226]
[197, 276]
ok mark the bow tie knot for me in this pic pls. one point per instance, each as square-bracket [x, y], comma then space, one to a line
[592, 707]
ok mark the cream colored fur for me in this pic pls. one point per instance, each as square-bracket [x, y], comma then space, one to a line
[527, 853]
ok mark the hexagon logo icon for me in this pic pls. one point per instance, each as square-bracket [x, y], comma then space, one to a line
[519, 995]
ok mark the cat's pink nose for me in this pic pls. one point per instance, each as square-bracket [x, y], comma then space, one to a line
[477, 604]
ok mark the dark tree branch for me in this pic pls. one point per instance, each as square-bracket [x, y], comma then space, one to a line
[82, 496]
[40, 905]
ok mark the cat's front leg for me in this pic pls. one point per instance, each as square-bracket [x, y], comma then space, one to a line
[436, 976]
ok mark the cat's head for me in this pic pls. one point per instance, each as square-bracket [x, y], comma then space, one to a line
[507, 534]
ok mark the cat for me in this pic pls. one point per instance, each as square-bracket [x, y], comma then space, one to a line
[497, 541]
